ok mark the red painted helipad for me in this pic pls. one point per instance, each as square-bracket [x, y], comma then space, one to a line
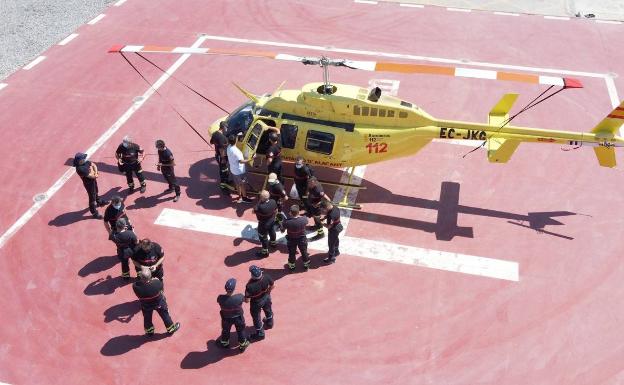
[553, 215]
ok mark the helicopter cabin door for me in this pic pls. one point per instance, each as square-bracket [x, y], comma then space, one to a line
[258, 132]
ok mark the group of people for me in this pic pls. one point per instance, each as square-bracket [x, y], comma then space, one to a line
[147, 256]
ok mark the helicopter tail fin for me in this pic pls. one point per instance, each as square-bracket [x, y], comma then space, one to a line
[251, 96]
[500, 112]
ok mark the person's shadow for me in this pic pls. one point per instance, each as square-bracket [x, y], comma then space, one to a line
[119, 345]
[105, 286]
[122, 312]
[98, 265]
[69, 218]
[212, 354]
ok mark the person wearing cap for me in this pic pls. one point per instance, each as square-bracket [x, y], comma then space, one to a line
[313, 204]
[265, 211]
[258, 293]
[88, 173]
[296, 237]
[334, 227]
[149, 290]
[303, 172]
[129, 157]
[220, 143]
[237, 169]
[126, 241]
[278, 194]
[151, 255]
[232, 314]
[115, 211]
[274, 156]
[165, 166]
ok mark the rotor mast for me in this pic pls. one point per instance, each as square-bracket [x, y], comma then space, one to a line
[324, 62]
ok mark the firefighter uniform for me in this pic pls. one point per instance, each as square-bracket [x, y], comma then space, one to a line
[334, 228]
[265, 213]
[220, 143]
[232, 314]
[90, 184]
[150, 293]
[302, 174]
[313, 206]
[129, 157]
[275, 153]
[150, 258]
[126, 241]
[112, 215]
[166, 164]
[296, 238]
[278, 194]
[258, 292]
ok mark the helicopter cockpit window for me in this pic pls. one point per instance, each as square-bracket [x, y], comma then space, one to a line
[318, 141]
[240, 119]
[254, 136]
[265, 112]
[288, 132]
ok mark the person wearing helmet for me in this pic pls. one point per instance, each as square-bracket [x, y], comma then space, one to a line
[88, 173]
[232, 314]
[258, 293]
[165, 166]
[129, 157]
[274, 157]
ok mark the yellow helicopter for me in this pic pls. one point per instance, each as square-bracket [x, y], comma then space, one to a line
[338, 125]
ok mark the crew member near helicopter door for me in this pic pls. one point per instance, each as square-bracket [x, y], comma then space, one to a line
[303, 172]
[129, 157]
[265, 211]
[278, 194]
[274, 157]
[334, 227]
[220, 143]
[313, 204]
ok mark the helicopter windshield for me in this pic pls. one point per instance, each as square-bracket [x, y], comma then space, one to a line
[240, 119]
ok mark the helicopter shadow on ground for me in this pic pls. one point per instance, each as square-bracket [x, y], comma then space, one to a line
[445, 227]
[69, 218]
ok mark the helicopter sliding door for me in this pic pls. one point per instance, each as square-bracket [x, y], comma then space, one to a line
[251, 142]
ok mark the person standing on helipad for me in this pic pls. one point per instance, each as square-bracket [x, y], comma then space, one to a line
[88, 173]
[165, 166]
[129, 157]
[258, 291]
[232, 314]
[149, 290]
[238, 169]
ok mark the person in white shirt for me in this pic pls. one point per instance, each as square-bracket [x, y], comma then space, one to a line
[238, 168]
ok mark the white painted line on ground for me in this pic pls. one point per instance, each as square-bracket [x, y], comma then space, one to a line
[68, 39]
[34, 62]
[556, 17]
[613, 94]
[506, 14]
[608, 22]
[120, 2]
[96, 19]
[411, 5]
[359, 247]
[2, 85]
[94, 147]
[365, 2]
[403, 56]
[459, 9]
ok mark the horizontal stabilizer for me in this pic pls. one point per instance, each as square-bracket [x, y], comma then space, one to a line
[500, 150]
[612, 122]
[500, 112]
[606, 156]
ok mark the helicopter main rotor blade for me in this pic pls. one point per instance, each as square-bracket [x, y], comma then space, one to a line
[462, 72]
[362, 65]
[205, 51]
